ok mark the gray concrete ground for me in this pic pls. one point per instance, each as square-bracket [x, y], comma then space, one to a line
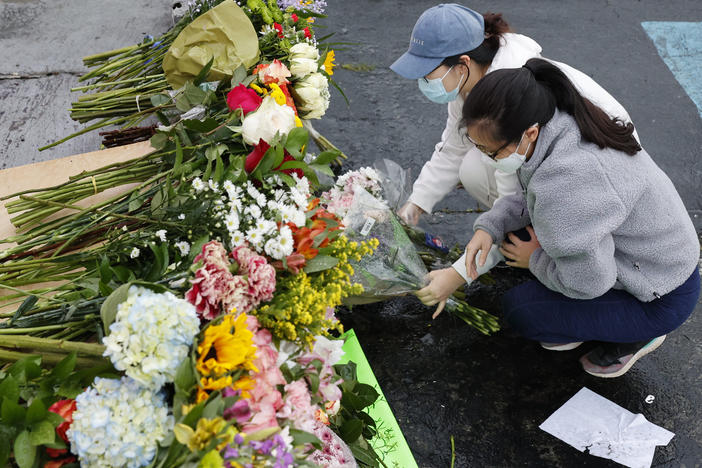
[441, 378]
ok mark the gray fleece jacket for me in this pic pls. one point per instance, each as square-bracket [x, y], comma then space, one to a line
[604, 219]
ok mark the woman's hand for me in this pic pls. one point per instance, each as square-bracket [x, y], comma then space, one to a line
[410, 213]
[481, 241]
[442, 284]
[519, 251]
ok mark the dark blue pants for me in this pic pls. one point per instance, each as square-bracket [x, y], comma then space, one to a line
[538, 313]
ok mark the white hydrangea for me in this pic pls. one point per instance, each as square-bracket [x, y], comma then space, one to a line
[151, 335]
[118, 423]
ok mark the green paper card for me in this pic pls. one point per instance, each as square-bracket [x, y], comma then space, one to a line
[400, 456]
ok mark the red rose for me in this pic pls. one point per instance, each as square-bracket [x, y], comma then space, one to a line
[243, 98]
[308, 34]
[255, 156]
[298, 171]
[294, 17]
[279, 28]
[65, 409]
[60, 463]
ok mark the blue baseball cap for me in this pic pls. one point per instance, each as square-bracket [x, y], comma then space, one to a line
[442, 31]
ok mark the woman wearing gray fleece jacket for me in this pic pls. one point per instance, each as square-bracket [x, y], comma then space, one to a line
[613, 250]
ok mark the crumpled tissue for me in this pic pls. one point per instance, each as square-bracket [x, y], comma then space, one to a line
[590, 421]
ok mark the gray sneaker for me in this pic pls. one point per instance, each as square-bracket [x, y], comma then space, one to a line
[615, 359]
[561, 346]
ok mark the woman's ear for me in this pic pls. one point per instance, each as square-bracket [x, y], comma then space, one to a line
[532, 133]
[464, 60]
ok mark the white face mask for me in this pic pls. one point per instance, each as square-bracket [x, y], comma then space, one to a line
[514, 161]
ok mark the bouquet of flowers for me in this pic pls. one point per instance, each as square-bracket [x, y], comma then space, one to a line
[395, 268]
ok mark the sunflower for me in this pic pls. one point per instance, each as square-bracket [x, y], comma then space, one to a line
[226, 348]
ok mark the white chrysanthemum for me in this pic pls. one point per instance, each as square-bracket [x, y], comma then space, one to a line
[134, 253]
[231, 221]
[265, 226]
[151, 335]
[255, 237]
[370, 173]
[184, 247]
[118, 423]
[161, 234]
[285, 240]
[198, 184]
[302, 184]
[253, 210]
[290, 214]
[237, 239]
[273, 249]
[273, 205]
[261, 200]
[298, 197]
[280, 195]
[252, 190]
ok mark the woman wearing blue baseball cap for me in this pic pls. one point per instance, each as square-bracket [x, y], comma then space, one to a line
[451, 49]
[613, 249]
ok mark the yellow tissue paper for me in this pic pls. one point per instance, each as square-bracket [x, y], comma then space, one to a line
[225, 33]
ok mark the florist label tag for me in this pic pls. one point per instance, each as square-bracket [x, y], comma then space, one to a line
[367, 226]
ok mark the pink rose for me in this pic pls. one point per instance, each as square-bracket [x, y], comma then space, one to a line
[241, 97]
[275, 72]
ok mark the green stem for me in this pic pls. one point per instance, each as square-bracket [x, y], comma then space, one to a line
[51, 358]
[46, 344]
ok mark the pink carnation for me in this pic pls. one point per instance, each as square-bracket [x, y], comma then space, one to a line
[335, 453]
[298, 406]
[216, 288]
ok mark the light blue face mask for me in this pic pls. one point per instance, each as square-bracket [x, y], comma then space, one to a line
[434, 89]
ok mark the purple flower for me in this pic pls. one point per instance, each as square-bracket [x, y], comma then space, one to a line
[231, 452]
[239, 439]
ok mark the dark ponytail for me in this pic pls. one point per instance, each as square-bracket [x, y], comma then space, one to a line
[506, 102]
[495, 27]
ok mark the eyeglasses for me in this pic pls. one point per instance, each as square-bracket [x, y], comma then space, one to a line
[484, 150]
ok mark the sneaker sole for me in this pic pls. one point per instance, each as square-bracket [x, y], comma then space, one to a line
[563, 347]
[652, 346]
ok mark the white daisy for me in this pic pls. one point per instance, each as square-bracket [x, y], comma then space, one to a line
[231, 221]
[237, 238]
[198, 184]
[184, 248]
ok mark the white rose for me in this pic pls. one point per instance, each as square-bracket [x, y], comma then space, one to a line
[268, 119]
[300, 67]
[304, 50]
[312, 94]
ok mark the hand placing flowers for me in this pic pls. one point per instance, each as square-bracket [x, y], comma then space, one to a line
[517, 251]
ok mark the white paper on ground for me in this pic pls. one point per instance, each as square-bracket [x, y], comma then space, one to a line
[590, 421]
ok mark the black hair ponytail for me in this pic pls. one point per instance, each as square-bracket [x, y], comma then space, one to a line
[507, 102]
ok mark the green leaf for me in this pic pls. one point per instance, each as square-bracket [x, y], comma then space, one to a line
[26, 306]
[194, 95]
[179, 158]
[320, 263]
[36, 412]
[366, 394]
[64, 368]
[325, 157]
[135, 202]
[9, 388]
[266, 163]
[213, 408]
[293, 165]
[105, 270]
[159, 140]
[239, 76]
[351, 430]
[11, 412]
[296, 142]
[366, 456]
[25, 452]
[122, 273]
[5, 450]
[201, 126]
[303, 437]
[219, 170]
[42, 433]
[346, 371]
[324, 169]
[54, 418]
[314, 382]
[185, 378]
[108, 311]
[204, 72]
[160, 100]
[212, 152]
[158, 203]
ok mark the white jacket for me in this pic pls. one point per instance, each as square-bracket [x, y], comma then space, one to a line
[440, 174]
